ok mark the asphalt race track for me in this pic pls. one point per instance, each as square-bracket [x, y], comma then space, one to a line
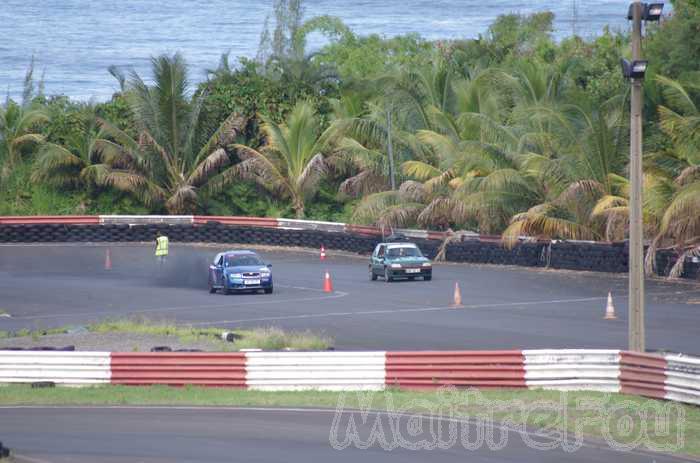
[505, 308]
[190, 434]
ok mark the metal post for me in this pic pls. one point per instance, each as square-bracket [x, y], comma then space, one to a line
[390, 150]
[636, 237]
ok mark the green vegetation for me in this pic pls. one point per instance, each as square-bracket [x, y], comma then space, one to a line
[511, 133]
[492, 405]
[268, 338]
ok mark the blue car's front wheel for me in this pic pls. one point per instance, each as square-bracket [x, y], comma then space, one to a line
[268, 290]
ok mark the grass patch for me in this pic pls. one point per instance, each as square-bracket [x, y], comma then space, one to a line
[269, 338]
[277, 339]
[497, 406]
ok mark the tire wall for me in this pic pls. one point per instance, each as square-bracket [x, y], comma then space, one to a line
[602, 257]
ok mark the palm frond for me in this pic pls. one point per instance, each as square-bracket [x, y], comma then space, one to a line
[546, 226]
[27, 138]
[419, 170]
[183, 200]
[412, 191]
[362, 184]
[679, 267]
[311, 175]
[208, 167]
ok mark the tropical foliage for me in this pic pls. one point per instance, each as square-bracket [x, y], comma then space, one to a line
[511, 133]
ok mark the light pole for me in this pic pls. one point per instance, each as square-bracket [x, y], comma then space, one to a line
[635, 72]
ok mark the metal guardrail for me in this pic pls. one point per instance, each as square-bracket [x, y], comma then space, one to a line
[145, 219]
[315, 370]
[432, 369]
[246, 221]
[179, 369]
[50, 219]
[311, 225]
[673, 376]
[683, 378]
[573, 369]
[643, 374]
[58, 367]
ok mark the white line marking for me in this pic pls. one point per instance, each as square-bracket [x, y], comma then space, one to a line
[509, 305]
[22, 458]
[408, 310]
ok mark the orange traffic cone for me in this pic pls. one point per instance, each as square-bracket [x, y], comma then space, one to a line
[609, 309]
[323, 253]
[457, 298]
[108, 259]
[327, 283]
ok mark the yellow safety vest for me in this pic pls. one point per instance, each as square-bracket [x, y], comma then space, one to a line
[162, 246]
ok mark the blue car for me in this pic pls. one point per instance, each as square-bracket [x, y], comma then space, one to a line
[234, 271]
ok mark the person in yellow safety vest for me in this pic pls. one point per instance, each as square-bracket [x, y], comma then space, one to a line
[161, 248]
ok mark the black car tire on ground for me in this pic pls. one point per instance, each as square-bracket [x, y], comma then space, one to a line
[212, 290]
[268, 290]
[427, 278]
[372, 275]
[225, 291]
[387, 275]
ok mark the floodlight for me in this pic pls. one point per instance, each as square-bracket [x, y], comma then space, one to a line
[650, 11]
[634, 69]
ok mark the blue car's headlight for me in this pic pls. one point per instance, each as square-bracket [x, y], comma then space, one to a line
[265, 274]
[234, 276]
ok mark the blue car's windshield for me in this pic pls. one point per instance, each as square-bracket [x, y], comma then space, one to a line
[404, 252]
[242, 261]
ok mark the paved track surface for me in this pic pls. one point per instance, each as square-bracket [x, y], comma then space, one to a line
[165, 435]
[505, 308]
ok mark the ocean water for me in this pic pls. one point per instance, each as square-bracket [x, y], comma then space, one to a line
[74, 41]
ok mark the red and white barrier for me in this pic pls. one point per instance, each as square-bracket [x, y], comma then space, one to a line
[243, 221]
[275, 371]
[682, 384]
[58, 367]
[573, 369]
[433, 369]
[672, 376]
[179, 368]
[50, 219]
[145, 219]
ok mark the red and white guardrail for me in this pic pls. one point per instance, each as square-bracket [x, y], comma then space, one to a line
[670, 376]
[265, 222]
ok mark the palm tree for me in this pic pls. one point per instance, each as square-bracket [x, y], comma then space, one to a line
[19, 123]
[677, 195]
[77, 163]
[173, 159]
[292, 162]
[578, 167]
[393, 208]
